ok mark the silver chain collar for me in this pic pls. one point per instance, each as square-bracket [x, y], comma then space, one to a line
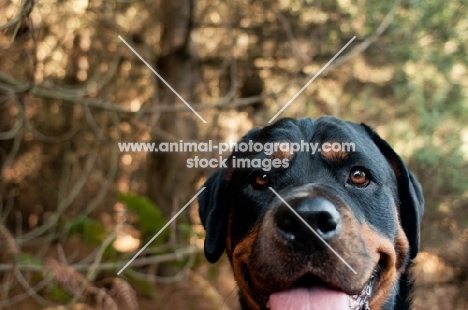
[361, 301]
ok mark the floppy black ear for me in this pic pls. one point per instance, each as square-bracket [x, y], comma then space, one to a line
[214, 215]
[409, 192]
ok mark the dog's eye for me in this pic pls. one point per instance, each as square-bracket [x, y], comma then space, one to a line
[261, 181]
[359, 177]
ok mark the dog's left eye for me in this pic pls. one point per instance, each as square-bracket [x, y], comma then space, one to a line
[261, 181]
[359, 177]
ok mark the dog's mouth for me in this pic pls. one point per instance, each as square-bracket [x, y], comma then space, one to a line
[312, 294]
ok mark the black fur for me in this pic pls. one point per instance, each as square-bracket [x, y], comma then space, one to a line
[230, 197]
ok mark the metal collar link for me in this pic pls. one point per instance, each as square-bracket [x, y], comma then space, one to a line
[361, 301]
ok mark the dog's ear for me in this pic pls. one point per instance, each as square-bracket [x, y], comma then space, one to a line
[214, 215]
[213, 209]
[409, 192]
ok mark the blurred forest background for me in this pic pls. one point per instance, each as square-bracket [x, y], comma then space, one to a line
[74, 210]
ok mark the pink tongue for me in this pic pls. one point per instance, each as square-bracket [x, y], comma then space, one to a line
[317, 298]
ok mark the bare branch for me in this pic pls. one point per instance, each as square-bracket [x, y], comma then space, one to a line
[361, 47]
[26, 10]
[104, 104]
[14, 151]
[112, 172]
[7, 240]
[209, 290]
[179, 276]
[64, 202]
[30, 291]
[13, 131]
[297, 51]
[93, 269]
[143, 261]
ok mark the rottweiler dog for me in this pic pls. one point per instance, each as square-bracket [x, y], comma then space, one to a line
[331, 229]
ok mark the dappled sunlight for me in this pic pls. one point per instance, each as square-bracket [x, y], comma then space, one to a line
[430, 267]
[126, 243]
[74, 208]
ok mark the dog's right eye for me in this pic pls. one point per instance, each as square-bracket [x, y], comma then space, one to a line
[261, 181]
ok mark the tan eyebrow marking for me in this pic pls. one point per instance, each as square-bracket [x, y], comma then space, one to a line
[334, 156]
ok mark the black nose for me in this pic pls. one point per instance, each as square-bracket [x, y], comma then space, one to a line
[319, 213]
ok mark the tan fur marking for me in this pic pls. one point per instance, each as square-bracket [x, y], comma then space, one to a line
[240, 258]
[229, 172]
[394, 163]
[282, 152]
[228, 238]
[393, 254]
[334, 156]
[394, 257]
[401, 244]
[402, 249]
[380, 247]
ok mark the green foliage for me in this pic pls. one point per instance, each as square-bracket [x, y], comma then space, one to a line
[59, 295]
[90, 231]
[149, 218]
[450, 182]
[185, 228]
[28, 259]
[426, 46]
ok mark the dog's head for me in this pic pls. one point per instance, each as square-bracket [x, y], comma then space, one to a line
[314, 226]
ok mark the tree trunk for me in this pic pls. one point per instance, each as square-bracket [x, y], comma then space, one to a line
[167, 175]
